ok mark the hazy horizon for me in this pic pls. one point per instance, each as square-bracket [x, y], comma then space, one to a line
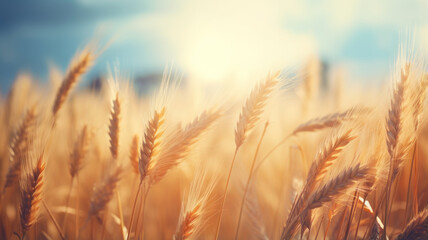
[359, 36]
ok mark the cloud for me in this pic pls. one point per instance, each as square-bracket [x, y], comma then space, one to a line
[222, 39]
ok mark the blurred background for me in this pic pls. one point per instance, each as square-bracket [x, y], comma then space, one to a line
[209, 41]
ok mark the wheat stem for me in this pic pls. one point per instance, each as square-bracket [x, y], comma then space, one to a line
[224, 194]
[64, 221]
[141, 231]
[249, 179]
[58, 228]
[133, 210]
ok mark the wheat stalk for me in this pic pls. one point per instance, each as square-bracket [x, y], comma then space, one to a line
[78, 66]
[248, 118]
[254, 213]
[79, 152]
[250, 175]
[31, 195]
[114, 131]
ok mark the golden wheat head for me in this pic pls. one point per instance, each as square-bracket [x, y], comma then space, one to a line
[114, 128]
[417, 228]
[78, 66]
[134, 154]
[31, 195]
[80, 149]
[103, 192]
[19, 146]
[152, 140]
[253, 108]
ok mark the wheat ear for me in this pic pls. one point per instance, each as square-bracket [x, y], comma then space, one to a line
[176, 149]
[327, 121]
[179, 144]
[31, 195]
[195, 211]
[325, 159]
[254, 215]
[78, 66]
[253, 108]
[79, 151]
[394, 133]
[417, 229]
[151, 142]
[78, 154]
[325, 194]
[114, 128]
[103, 193]
[331, 120]
[336, 186]
[19, 146]
[134, 154]
[320, 166]
[150, 149]
[248, 118]
[247, 184]
[188, 224]
[395, 119]
[419, 100]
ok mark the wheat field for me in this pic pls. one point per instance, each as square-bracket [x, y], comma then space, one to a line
[286, 158]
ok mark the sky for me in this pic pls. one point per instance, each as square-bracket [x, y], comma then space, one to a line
[209, 40]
